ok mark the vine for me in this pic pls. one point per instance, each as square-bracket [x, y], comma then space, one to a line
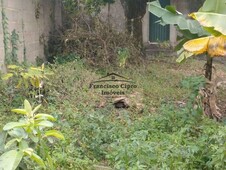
[14, 42]
[37, 9]
[6, 36]
[10, 41]
[24, 49]
[52, 13]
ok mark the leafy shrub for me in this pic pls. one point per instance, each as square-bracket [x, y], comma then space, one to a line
[172, 140]
[25, 82]
[123, 55]
[194, 84]
[67, 153]
[96, 133]
[67, 58]
[3, 93]
[27, 139]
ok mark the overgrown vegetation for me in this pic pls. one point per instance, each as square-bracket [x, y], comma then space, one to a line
[171, 132]
[162, 128]
[90, 38]
[26, 139]
[10, 41]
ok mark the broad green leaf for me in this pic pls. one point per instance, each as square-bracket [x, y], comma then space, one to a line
[12, 125]
[27, 107]
[214, 6]
[25, 76]
[10, 143]
[35, 72]
[37, 159]
[43, 67]
[20, 111]
[172, 9]
[34, 138]
[36, 109]
[35, 82]
[213, 21]
[173, 17]
[13, 67]
[211, 15]
[181, 58]
[7, 76]
[26, 84]
[36, 69]
[55, 133]
[34, 156]
[3, 136]
[20, 81]
[23, 144]
[18, 133]
[28, 151]
[32, 82]
[45, 123]
[212, 31]
[44, 116]
[183, 55]
[10, 160]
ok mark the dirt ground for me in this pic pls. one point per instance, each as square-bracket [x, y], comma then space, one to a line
[195, 66]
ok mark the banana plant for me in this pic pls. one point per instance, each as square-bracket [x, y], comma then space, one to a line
[26, 139]
[210, 41]
[203, 31]
[188, 27]
[210, 17]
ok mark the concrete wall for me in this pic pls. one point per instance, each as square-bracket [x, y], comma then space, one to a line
[32, 20]
[115, 14]
[117, 18]
[145, 27]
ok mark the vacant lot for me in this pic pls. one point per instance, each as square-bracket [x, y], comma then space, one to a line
[163, 127]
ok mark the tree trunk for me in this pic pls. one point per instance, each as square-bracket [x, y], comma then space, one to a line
[209, 63]
[134, 28]
[134, 11]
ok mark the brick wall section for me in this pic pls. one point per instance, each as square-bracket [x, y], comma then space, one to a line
[33, 29]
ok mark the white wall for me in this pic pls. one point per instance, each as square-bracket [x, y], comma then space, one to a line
[32, 22]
